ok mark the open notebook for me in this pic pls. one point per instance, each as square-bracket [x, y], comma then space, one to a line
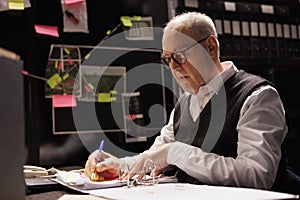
[78, 181]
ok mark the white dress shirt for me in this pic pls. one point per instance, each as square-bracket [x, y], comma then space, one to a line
[261, 130]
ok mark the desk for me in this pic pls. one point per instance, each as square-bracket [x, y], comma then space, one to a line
[56, 194]
[53, 192]
[50, 195]
[161, 191]
[74, 195]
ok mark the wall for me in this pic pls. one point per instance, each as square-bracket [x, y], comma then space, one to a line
[19, 36]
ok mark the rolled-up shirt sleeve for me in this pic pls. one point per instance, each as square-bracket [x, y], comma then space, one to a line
[261, 131]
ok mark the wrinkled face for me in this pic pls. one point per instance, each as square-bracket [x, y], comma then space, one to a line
[196, 71]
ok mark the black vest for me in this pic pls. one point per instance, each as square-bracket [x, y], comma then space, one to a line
[216, 132]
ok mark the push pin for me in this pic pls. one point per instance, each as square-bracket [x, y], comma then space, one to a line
[71, 17]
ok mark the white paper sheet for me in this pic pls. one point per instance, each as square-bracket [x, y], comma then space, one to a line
[182, 191]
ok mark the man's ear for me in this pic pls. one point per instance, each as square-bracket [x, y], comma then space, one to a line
[212, 45]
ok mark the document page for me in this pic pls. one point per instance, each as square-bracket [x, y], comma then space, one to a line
[181, 191]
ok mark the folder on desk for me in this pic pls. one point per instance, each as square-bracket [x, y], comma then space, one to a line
[78, 181]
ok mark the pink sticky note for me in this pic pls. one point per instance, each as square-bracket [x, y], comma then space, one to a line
[72, 1]
[61, 100]
[47, 30]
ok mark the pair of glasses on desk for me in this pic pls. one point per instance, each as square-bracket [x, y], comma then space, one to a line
[148, 168]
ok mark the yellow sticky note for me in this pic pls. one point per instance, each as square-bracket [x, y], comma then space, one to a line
[65, 76]
[56, 64]
[126, 21]
[67, 51]
[104, 97]
[137, 18]
[108, 32]
[113, 92]
[113, 99]
[87, 56]
[16, 4]
[54, 80]
[90, 86]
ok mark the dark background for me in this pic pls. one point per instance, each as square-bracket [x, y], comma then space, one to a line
[276, 59]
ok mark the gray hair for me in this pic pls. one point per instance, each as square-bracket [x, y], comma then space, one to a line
[195, 24]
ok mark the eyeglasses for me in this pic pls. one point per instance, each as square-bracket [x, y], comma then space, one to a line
[179, 57]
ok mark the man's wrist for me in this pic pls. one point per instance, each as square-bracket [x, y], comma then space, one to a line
[177, 151]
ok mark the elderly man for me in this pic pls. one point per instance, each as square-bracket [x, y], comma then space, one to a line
[226, 129]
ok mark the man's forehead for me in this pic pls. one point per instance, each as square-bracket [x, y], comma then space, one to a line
[174, 40]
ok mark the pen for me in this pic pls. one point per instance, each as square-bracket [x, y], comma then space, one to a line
[98, 158]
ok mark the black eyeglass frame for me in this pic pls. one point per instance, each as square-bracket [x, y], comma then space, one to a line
[166, 60]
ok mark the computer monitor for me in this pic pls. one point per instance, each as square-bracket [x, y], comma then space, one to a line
[12, 136]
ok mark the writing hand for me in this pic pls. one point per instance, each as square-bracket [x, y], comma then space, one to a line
[106, 168]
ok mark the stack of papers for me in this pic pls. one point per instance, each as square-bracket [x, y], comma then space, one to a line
[78, 181]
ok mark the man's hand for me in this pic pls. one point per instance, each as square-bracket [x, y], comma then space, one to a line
[106, 168]
[157, 155]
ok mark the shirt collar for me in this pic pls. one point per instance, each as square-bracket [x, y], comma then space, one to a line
[214, 85]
